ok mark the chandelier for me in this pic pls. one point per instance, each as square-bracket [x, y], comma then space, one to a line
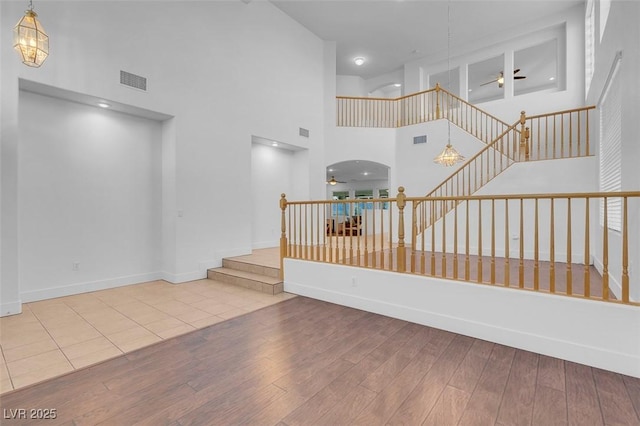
[30, 40]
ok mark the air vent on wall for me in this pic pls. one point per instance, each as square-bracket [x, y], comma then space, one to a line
[419, 139]
[132, 80]
[304, 132]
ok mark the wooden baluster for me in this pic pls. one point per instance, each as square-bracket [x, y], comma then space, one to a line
[552, 248]
[521, 265]
[579, 141]
[306, 233]
[536, 251]
[352, 210]
[373, 234]
[570, 134]
[391, 239]
[466, 259]
[365, 233]
[587, 255]
[433, 238]
[554, 138]
[479, 241]
[569, 274]
[283, 233]
[444, 241]
[358, 224]
[303, 246]
[455, 240]
[318, 226]
[290, 249]
[295, 229]
[344, 233]
[327, 232]
[587, 133]
[625, 252]
[561, 135]
[605, 252]
[507, 250]
[382, 236]
[493, 241]
[414, 236]
[546, 137]
[438, 101]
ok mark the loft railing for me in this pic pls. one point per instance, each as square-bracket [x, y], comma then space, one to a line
[562, 134]
[429, 105]
[543, 243]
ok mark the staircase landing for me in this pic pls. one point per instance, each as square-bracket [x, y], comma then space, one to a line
[259, 271]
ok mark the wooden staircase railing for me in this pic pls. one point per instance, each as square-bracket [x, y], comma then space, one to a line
[416, 108]
[561, 134]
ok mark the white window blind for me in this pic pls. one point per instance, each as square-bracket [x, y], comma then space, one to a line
[611, 146]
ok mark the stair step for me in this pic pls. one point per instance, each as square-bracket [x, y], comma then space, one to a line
[250, 280]
[251, 267]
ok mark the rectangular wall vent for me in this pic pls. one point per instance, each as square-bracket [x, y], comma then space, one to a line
[133, 80]
[304, 132]
[419, 139]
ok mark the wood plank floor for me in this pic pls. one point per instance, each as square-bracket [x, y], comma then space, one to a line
[303, 362]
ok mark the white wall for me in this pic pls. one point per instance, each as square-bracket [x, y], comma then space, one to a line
[350, 85]
[272, 174]
[622, 35]
[414, 167]
[603, 335]
[90, 192]
[262, 74]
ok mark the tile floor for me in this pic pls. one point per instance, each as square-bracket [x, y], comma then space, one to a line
[55, 336]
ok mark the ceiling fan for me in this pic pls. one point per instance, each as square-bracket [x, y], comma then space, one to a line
[333, 181]
[500, 78]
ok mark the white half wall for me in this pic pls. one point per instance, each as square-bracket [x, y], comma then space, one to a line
[602, 335]
[90, 198]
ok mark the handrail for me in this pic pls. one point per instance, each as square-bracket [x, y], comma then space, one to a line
[478, 154]
[388, 99]
[566, 111]
[551, 231]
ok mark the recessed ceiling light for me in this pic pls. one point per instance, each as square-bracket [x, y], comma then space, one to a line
[471, 90]
[366, 173]
[359, 60]
[274, 143]
[551, 78]
[331, 170]
[103, 105]
[397, 84]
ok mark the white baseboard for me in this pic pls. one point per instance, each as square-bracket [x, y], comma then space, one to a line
[68, 290]
[184, 277]
[10, 308]
[602, 335]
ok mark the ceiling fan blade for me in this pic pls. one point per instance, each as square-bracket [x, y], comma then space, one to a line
[519, 77]
[516, 71]
[489, 82]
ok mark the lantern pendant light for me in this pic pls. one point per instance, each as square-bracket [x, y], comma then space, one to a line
[449, 156]
[30, 40]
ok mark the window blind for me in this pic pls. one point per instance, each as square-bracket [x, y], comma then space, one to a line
[610, 147]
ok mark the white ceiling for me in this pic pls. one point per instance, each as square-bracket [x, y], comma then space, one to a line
[390, 33]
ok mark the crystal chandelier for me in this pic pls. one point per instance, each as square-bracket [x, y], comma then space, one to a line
[30, 40]
[449, 156]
